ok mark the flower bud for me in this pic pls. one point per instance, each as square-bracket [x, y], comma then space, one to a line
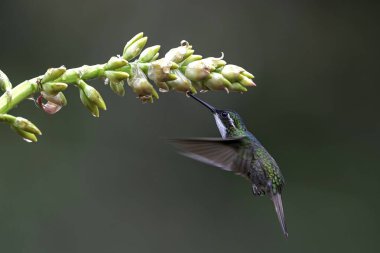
[182, 83]
[93, 108]
[27, 136]
[197, 71]
[143, 89]
[155, 57]
[217, 82]
[134, 49]
[246, 81]
[5, 84]
[141, 86]
[115, 63]
[118, 88]
[180, 53]
[235, 73]
[116, 76]
[133, 40]
[247, 74]
[149, 53]
[53, 73]
[238, 87]
[191, 58]
[54, 88]
[26, 125]
[159, 72]
[92, 95]
[214, 63]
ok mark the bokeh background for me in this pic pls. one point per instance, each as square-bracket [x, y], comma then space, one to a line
[115, 185]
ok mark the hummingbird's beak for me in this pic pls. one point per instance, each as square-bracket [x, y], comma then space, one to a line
[211, 108]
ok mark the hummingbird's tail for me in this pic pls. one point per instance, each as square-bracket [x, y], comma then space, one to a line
[277, 201]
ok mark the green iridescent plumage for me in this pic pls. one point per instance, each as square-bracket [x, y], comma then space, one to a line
[240, 152]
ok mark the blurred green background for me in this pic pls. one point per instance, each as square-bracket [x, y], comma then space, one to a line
[115, 185]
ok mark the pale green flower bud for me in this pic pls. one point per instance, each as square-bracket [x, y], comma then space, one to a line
[93, 108]
[247, 74]
[141, 86]
[116, 76]
[155, 57]
[53, 73]
[232, 72]
[26, 125]
[235, 73]
[214, 63]
[54, 88]
[246, 81]
[182, 83]
[92, 94]
[5, 84]
[159, 72]
[118, 88]
[238, 87]
[133, 40]
[217, 82]
[115, 63]
[191, 58]
[197, 71]
[27, 136]
[134, 49]
[180, 53]
[149, 53]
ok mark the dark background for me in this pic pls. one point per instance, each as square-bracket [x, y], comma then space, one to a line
[115, 185]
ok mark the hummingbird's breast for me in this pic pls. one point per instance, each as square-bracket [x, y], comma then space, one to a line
[265, 174]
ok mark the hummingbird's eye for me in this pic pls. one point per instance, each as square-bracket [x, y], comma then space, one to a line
[224, 114]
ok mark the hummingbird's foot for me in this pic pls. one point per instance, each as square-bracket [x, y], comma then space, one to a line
[257, 191]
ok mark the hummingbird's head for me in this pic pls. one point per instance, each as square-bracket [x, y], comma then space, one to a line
[229, 122]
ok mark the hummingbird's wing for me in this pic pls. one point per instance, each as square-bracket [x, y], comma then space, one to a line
[228, 154]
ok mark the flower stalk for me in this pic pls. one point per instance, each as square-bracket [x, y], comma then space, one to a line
[178, 70]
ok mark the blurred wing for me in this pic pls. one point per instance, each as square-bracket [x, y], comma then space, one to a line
[226, 154]
[244, 161]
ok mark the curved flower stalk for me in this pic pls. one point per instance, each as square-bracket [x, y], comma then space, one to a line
[179, 70]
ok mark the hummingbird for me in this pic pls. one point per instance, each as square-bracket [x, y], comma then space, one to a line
[240, 152]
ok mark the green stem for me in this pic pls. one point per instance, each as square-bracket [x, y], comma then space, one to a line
[18, 94]
[71, 76]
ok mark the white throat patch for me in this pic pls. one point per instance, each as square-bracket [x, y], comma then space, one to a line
[221, 127]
